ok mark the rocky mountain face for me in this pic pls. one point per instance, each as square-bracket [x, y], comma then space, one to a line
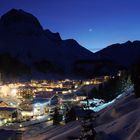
[26, 49]
[23, 39]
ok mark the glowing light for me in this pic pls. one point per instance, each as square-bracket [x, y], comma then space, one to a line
[87, 83]
[10, 119]
[49, 119]
[20, 125]
[13, 92]
[5, 121]
[26, 113]
[5, 90]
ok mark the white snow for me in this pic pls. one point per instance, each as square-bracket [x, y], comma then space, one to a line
[100, 105]
[120, 120]
[52, 133]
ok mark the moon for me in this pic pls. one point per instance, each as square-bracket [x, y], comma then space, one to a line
[90, 30]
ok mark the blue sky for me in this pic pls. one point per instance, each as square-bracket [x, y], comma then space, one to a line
[95, 24]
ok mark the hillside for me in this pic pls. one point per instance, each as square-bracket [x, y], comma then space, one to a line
[124, 54]
[120, 121]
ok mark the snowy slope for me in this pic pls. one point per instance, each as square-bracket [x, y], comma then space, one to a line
[53, 132]
[120, 121]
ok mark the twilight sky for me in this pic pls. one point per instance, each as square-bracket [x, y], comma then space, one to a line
[93, 23]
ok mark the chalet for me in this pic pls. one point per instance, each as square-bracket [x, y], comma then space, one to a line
[10, 113]
[3, 104]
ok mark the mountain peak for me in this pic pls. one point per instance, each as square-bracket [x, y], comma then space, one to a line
[53, 36]
[128, 43]
[19, 17]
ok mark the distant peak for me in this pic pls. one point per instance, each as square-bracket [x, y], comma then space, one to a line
[128, 42]
[136, 41]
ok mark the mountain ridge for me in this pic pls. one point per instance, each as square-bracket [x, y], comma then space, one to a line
[124, 54]
[23, 38]
[37, 51]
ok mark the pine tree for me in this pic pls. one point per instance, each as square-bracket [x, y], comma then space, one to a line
[70, 115]
[56, 119]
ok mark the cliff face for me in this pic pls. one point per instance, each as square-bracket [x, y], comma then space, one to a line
[23, 38]
[36, 51]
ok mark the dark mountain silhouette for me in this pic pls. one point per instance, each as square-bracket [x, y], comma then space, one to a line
[22, 38]
[122, 54]
[26, 49]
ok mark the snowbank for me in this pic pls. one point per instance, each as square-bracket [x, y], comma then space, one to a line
[120, 121]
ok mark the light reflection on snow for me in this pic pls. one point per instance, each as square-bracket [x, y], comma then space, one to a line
[100, 103]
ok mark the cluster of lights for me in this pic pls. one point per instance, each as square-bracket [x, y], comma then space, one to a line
[7, 91]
